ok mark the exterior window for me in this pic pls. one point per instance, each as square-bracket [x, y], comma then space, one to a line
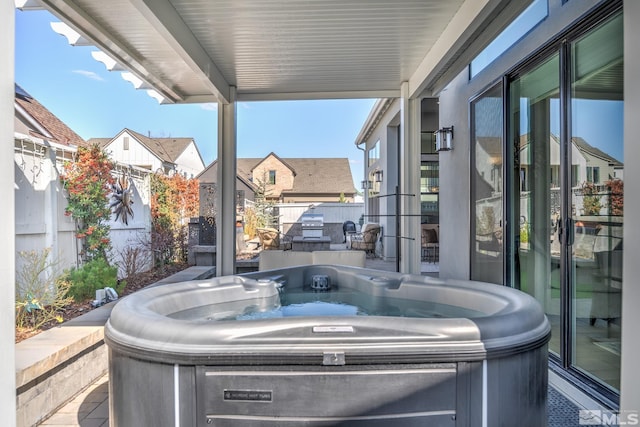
[514, 32]
[374, 153]
[593, 174]
[574, 175]
[125, 143]
[272, 177]
[428, 143]
[429, 192]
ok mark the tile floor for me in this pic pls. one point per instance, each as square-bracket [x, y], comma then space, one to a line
[90, 408]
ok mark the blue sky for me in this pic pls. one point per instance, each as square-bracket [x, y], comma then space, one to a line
[96, 103]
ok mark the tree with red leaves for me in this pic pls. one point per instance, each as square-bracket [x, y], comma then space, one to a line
[87, 182]
[174, 200]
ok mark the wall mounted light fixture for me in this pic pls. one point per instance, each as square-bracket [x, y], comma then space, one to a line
[444, 139]
[366, 185]
[377, 176]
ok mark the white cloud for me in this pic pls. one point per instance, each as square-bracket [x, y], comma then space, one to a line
[209, 106]
[89, 74]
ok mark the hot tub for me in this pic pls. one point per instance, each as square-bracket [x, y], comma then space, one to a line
[327, 346]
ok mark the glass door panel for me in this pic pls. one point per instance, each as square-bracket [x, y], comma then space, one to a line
[535, 197]
[487, 249]
[597, 200]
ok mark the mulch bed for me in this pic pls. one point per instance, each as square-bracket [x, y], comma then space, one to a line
[134, 283]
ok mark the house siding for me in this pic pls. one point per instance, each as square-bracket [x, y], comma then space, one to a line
[284, 176]
[189, 162]
[137, 154]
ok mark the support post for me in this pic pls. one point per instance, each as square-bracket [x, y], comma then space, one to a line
[7, 216]
[226, 191]
[409, 181]
[630, 374]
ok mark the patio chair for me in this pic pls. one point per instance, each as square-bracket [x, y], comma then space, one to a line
[270, 238]
[430, 245]
[366, 239]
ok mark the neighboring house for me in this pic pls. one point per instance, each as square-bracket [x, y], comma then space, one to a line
[589, 164]
[296, 186]
[42, 144]
[301, 180]
[33, 119]
[245, 189]
[292, 180]
[166, 155]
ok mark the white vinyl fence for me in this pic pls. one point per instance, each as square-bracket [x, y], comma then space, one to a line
[40, 205]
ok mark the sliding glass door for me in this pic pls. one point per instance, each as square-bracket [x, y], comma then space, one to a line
[487, 253]
[534, 121]
[597, 200]
[565, 197]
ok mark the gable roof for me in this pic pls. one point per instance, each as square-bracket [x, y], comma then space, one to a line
[100, 142]
[322, 175]
[213, 164]
[315, 175]
[50, 126]
[272, 154]
[166, 149]
[584, 146]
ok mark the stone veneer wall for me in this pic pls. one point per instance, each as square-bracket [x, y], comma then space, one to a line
[77, 360]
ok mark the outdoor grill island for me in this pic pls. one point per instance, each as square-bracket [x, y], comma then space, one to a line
[312, 238]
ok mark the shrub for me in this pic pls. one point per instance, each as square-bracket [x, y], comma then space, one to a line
[88, 182]
[174, 200]
[134, 259]
[616, 196]
[93, 275]
[591, 199]
[39, 291]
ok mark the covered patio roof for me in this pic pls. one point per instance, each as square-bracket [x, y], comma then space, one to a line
[192, 51]
[224, 51]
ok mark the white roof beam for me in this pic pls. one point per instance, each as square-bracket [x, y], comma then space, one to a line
[88, 28]
[110, 63]
[475, 24]
[28, 5]
[164, 18]
[294, 96]
[72, 36]
[137, 82]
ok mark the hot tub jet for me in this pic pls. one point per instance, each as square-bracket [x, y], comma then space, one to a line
[320, 283]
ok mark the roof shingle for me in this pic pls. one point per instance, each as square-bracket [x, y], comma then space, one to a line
[60, 132]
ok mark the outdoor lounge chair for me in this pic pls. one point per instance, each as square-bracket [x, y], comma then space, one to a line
[430, 243]
[270, 238]
[366, 239]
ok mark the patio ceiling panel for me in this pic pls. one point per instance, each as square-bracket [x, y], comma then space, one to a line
[287, 48]
[195, 50]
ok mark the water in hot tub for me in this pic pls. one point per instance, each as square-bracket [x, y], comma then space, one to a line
[343, 302]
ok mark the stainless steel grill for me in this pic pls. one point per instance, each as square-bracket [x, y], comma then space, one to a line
[312, 225]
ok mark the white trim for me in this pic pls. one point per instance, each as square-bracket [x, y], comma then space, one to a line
[484, 395]
[301, 420]
[176, 394]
